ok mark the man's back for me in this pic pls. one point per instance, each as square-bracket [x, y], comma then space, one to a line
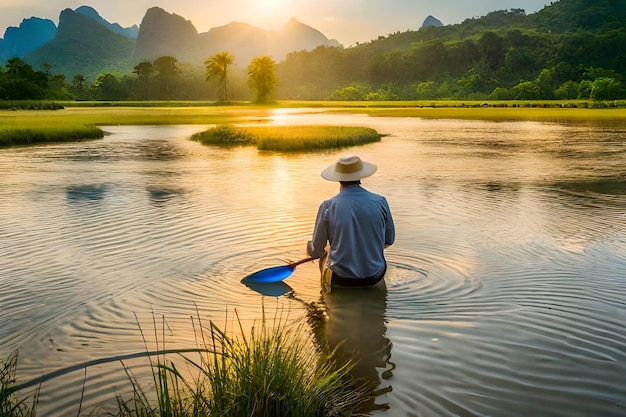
[358, 226]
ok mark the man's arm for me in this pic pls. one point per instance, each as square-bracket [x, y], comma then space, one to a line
[316, 247]
[390, 229]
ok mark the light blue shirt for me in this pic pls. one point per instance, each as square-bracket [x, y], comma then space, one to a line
[357, 224]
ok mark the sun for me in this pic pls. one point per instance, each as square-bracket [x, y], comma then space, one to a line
[271, 13]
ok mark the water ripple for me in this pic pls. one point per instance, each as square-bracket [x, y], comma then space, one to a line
[505, 287]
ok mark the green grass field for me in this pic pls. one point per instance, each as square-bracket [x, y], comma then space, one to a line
[81, 120]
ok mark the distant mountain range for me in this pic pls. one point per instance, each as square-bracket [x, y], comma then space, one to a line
[87, 44]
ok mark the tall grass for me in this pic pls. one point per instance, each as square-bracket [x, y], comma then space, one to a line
[224, 135]
[288, 138]
[271, 371]
[274, 369]
[11, 136]
[10, 404]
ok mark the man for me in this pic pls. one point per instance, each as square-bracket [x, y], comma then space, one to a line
[357, 224]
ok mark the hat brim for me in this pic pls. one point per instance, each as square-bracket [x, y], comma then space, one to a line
[331, 175]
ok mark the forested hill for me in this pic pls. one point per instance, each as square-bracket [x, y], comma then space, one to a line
[558, 52]
[596, 16]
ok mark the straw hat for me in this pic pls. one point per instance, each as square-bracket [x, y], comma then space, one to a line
[348, 168]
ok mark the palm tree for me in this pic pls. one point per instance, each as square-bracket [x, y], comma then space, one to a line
[217, 67]
[262, 77]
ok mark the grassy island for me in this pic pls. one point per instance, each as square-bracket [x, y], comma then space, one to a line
[288, 138]
[24, 135]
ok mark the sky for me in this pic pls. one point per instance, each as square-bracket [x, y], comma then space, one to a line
[348, 21]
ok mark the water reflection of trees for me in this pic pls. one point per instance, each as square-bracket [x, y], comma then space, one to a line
[86, 192]
[159, 195]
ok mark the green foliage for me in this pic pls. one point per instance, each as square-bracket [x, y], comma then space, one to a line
[562, 49]
[262, 79]
[573, 15]
[605, 88]
[20, 81]
[217, 67]
[108, 87]
[144, 71]
[10, 404]
[349, 93]
[91, 48]
[272, 371]
[167, 72]
[501, 50]
[314, 75]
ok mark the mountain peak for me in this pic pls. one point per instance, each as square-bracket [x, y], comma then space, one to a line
[293, 21]
[32, 33]
[89, 12]
[431, 21]
[162, 33]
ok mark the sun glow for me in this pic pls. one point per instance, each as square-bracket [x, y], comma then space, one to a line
[270, 12]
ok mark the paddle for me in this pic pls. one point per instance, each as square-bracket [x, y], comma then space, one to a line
[275, 273]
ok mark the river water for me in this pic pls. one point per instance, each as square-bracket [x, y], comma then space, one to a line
[506, 287]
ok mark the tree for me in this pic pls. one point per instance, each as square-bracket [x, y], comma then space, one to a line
[605, 88]
[167, 74]
[491, 46]
[567, 91]
[217, 67]
[107, 87]
[78, 85]
[144, 71]
[526, 90]
[426, 90]
[349, 93]
[22, 82]
[262, 78]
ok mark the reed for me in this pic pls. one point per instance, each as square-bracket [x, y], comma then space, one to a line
[11, 136]
[224, 135]
[10, 404]
[271, 371]
[288, 138]
[274, 369]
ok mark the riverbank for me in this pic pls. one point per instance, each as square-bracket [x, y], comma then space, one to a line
[81, 120]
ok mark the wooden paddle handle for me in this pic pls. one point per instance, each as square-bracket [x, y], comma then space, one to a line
[301, 261]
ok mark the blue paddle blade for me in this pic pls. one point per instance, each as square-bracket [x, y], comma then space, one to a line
[269, 289]
[273, 274]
